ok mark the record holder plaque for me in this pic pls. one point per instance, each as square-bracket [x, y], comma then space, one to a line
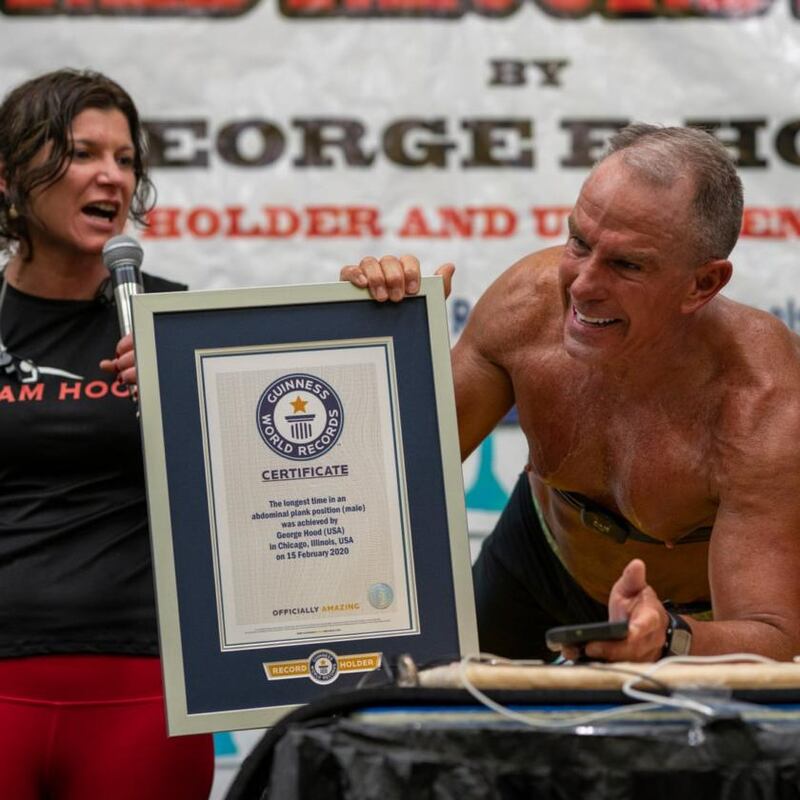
[305, 494]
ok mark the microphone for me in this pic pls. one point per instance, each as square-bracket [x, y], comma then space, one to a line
[123, 256]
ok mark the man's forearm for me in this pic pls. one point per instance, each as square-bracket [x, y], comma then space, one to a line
[766, 638]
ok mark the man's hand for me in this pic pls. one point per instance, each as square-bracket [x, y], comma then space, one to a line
[392, 278]
[632, 599]
[124, 365]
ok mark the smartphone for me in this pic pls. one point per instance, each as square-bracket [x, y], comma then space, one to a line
[581, 634]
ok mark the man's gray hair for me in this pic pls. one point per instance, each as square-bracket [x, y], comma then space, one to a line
[664, 154]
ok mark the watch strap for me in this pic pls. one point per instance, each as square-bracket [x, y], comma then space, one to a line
[678, 640]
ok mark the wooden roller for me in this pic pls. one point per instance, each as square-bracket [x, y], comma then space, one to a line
[739, 675]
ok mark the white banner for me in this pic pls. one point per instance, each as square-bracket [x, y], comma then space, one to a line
[289, 140]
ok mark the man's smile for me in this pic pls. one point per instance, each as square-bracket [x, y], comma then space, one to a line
[597, 322]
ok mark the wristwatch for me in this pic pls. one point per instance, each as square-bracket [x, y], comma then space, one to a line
[679, 636]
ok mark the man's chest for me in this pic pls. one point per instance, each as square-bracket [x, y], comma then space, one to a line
[650, 461]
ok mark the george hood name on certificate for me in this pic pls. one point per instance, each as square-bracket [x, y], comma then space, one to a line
[307, 494]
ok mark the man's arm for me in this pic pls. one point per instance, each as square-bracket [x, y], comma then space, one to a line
[483, 389]
[754, 555]
[754, 562]
[505, 336]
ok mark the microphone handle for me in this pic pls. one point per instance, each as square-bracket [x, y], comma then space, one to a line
[127, 283]
[122, 295]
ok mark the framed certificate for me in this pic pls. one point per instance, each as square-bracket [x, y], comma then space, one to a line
[305, 494]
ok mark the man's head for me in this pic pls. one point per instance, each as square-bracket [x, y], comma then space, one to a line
[37, 148]
[649, 237]
[663, 155]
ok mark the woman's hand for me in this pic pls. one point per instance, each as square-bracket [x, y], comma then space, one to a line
[124, 364]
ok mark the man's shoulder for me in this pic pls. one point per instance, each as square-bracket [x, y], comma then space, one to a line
[760, 340]
[531, 279]
[540, 266]
[153, 283]
[761, 375]
[519, 307]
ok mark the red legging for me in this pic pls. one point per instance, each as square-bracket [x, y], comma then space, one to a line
[92, 727]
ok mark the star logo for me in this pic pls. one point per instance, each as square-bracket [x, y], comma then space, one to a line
[299, 405]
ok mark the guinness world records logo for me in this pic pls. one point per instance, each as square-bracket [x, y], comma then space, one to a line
[323, 666]
[300, 416]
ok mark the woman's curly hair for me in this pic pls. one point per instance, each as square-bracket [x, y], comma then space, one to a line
[41, 111]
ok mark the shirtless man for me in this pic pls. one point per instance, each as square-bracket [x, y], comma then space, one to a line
[655, 410]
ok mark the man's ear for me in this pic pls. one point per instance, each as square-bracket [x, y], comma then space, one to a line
[708, 280]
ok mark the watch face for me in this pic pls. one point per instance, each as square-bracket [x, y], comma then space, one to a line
[680, 643]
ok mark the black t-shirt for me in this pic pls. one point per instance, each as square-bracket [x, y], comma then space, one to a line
[75, 567]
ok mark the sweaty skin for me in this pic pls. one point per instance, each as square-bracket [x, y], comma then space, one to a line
[640, 387]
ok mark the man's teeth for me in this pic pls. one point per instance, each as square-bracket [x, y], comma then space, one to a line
[592, 320]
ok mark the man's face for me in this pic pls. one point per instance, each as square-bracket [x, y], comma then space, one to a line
[627, 265]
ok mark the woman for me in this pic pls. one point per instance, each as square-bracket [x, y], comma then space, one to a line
[81, 701]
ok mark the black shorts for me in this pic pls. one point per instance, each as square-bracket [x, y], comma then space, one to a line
[521, 586]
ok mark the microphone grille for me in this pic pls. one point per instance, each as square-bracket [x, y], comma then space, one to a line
[122, 250]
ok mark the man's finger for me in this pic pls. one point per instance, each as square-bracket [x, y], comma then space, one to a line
[644, 642]
[375, 278]
[394, 277]
[627, 591]
[412, 273]
[354, 275]
[633, 580]
[446, 272]
[572, 652]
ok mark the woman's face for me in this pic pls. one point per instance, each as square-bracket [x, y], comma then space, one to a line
[89, 204]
